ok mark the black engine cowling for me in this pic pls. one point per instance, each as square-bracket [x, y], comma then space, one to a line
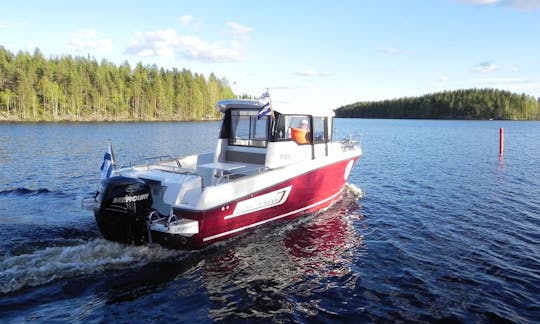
[123, 206]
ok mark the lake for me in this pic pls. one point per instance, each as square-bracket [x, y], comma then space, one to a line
[446, 230]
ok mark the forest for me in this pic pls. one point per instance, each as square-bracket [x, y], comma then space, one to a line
[66, 88]
[457, 104]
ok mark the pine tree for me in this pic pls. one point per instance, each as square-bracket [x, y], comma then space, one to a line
[34, 88]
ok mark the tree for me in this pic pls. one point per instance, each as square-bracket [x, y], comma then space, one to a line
[80, 88]
[458, 104]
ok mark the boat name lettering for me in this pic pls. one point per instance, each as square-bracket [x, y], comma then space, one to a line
[126, 199]
[285, 156]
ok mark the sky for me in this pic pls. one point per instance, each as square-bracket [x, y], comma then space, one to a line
[320, 54]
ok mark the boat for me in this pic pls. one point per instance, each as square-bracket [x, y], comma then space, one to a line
[269, 165]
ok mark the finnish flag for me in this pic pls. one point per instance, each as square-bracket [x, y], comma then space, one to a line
[266, 108]
[108, 162]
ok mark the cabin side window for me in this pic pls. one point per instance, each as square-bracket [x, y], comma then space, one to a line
[247, 130]
[302, 129]
[320, 130]
[298, 128]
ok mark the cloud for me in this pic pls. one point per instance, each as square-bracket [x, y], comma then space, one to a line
[525, 5]
[9, 25]
[443, 78]
[186, 20]
[238, 30]
[484, 67]
[168, 42]
[86, 39]
[154, 43]
[312, 74]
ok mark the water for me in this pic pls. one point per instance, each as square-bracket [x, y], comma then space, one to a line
[446, 230]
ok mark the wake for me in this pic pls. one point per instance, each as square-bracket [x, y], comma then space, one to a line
[52, 263]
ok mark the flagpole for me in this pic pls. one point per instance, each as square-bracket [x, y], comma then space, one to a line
[271, 106]
[112, 153]
[269, 98]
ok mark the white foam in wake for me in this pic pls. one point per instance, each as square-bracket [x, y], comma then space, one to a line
[358, 192]
[43, 266]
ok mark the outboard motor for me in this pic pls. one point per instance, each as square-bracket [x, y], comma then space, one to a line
[123, 206]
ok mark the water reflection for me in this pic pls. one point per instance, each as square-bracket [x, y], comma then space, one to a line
[285, 269]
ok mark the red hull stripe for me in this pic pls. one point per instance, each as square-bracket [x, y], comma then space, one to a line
[209, 238]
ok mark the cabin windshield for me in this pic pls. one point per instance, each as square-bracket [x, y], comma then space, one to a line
[247, 130]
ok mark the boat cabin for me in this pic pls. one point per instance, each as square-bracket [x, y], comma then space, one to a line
[248, 141]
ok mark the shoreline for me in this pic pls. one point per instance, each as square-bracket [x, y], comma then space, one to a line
[4, 120]
[92, 121]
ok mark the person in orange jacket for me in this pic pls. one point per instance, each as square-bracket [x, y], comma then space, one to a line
[301, 134]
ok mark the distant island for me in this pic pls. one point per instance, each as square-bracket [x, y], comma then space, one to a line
[34, 89]
[458, 104]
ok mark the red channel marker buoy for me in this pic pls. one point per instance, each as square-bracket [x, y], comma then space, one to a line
[501, 141]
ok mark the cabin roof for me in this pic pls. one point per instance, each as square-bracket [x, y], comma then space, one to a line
[224, 105]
